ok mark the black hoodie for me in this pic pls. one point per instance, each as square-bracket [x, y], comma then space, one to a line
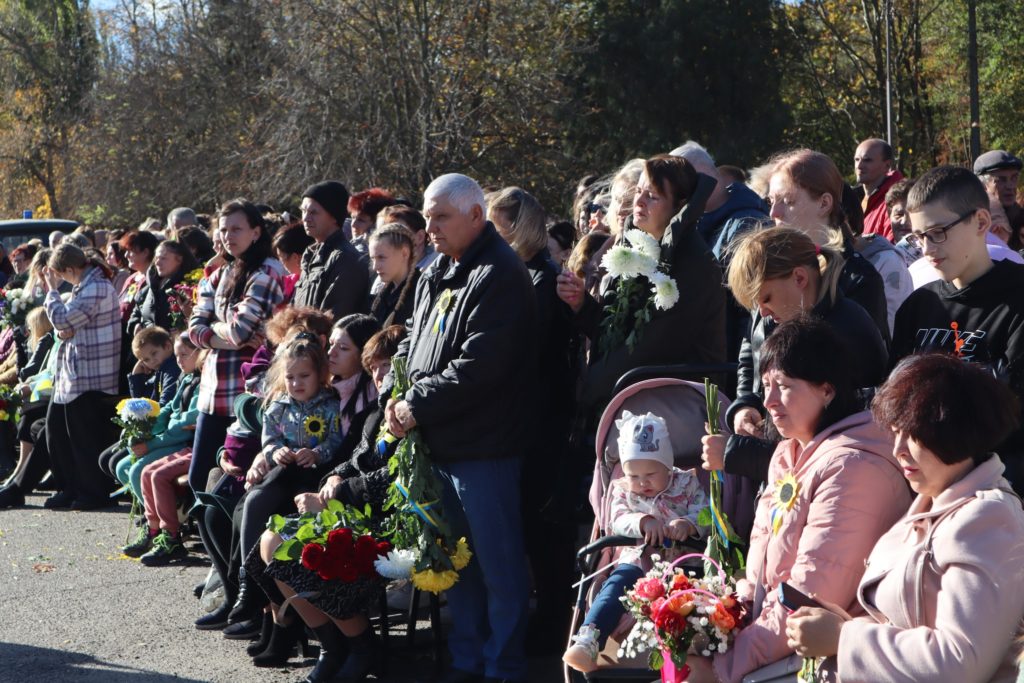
[989, 318]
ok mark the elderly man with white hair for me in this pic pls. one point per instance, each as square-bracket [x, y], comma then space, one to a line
[471, 355]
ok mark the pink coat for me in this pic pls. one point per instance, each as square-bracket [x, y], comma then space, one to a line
[850, 490]
[956, 620]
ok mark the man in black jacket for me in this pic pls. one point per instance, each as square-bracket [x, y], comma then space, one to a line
[334, 276]
[472, 359]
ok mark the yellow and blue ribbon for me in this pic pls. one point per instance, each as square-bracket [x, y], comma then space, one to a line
[444, 305]
[384, 442]
[421, 509]
[716, 513]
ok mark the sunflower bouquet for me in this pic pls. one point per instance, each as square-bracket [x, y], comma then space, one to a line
[425, 550]
[135, 417]
[640, 287]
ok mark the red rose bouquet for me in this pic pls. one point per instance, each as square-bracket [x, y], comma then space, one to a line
[677, 613]
[325, 543]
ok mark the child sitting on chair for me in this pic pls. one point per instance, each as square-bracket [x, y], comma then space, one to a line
[655, 501]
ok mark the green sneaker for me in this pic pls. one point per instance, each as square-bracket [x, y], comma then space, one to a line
[143, 542]
[166, 549]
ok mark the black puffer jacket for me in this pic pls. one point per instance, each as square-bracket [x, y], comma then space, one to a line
[153, 307]
[472, 367]
[365, 473]
[748, 456]
[334, 278]
[691, 331]
[860, 282]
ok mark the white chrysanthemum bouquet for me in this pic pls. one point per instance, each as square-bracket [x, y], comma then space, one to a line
[15, 305]
[640, 287]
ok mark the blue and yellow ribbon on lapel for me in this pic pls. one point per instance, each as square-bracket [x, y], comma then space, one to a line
[445, 302]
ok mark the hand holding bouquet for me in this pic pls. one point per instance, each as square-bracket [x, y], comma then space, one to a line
[184, 298]
[135, 417]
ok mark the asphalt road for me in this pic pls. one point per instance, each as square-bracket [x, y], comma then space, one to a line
[73, 608]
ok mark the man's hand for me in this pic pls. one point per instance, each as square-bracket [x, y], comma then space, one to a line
[140, 449]
[570, 289]
[748, 422]
[329, 491]
[305, 457]
[398, 415]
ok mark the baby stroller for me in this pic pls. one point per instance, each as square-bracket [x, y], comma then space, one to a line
[683, 406]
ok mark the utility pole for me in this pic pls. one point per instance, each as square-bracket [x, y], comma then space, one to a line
[972, 68]
[888, 71]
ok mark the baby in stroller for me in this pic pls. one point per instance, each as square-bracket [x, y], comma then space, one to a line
[654, 501]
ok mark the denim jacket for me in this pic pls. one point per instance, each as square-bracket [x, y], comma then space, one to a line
[311, 424]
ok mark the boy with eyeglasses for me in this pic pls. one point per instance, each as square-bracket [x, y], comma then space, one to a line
[976, 310]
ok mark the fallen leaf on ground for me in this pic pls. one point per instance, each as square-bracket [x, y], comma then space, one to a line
[43, 567]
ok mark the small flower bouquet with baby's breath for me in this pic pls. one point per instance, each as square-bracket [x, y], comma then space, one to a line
[641, 286]
[677, 613]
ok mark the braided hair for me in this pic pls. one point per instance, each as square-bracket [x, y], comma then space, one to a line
[396, 236]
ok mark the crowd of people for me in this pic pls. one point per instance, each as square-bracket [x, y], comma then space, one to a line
[875, 438]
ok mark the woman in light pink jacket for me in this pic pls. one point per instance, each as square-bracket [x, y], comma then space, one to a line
[833, 489]
[944, 588]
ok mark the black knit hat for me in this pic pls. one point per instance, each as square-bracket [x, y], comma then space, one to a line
[331, 195]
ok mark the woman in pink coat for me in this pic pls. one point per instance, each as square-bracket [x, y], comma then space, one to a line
[833, 489]
[944, 588]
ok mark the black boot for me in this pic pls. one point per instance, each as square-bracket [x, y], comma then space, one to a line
[283, 640]
[250, 600]
[333, 651]
[11, 496]
[260, 644]
[363, 657]
[215, 620]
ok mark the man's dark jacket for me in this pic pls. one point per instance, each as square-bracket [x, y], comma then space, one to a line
[334, 277]
[472, 367]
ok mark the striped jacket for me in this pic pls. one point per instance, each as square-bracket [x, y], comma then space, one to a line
[222, 371]
[91, 359]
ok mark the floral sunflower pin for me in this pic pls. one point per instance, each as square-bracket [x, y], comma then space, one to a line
[783, 499]
[315, 428]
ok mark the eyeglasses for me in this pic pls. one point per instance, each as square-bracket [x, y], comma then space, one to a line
[937, 235]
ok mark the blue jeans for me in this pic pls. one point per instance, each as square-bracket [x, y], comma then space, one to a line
[606, 610]
[490, 601]
[211, 430]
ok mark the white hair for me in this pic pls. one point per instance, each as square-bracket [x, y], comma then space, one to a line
[461, 191]
[187, 216]
[698, 157]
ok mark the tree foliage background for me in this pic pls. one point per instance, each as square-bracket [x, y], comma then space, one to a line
[121, 111]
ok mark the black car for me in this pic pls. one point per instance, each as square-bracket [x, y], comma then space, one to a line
[17, 232]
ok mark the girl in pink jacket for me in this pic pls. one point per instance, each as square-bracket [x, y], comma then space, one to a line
[944, 588]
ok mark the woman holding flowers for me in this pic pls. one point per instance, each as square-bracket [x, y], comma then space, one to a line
[663, 301]
[942, 589]
[833, 489]
[234, 303]
[87, 375]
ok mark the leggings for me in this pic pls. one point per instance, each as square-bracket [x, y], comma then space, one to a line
[211, 430]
